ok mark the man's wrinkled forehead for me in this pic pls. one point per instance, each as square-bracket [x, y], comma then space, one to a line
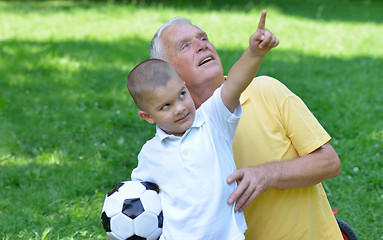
[183, 32]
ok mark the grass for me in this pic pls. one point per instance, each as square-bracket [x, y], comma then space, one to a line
[69, 131]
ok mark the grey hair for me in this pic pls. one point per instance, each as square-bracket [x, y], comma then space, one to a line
[156, 45]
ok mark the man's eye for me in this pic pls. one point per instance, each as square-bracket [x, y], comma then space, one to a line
[185, 46]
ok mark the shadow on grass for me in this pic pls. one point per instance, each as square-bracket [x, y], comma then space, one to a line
[68, 124]
[68, 130]
[62, 92]
[38, 196]
[340, 10]
[75, 87]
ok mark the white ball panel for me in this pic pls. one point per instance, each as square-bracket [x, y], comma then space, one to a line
[151, 202]
[131, 189]
[155, 235]
[122, 226]
[145, 224]
[113, 236]
[113, 204]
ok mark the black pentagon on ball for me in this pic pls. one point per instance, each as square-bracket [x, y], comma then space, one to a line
[151, 186]
[135, 237]
[132, 207]
[105, 222]
[160, 219]
[115, 188]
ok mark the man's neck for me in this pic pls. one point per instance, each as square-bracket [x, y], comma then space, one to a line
[200, 95]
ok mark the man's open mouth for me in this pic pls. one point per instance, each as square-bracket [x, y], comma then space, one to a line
[205, 60]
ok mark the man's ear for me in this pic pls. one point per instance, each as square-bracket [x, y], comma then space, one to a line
[145, 116]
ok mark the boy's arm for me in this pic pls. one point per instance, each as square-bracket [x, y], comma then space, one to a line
[244, 70]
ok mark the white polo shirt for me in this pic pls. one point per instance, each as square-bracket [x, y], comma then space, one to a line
[191, 171]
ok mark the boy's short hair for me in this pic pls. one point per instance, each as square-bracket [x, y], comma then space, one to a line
[146, 77]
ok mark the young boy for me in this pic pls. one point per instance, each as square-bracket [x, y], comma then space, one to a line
[191, 156]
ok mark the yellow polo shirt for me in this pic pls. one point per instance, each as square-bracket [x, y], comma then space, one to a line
[276, 126]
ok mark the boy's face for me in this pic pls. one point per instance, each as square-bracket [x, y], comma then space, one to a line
[170, 107]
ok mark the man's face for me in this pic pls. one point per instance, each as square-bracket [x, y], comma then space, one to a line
[188, 49]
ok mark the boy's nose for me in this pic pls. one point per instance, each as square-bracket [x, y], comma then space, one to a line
[180, 108]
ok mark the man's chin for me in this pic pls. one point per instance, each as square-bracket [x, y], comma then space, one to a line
[210, 71]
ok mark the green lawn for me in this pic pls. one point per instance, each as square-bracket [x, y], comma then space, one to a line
[69, 130]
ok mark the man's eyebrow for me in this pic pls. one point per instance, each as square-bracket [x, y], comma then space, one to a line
[183, 40]
[198, 35]
[201, 34]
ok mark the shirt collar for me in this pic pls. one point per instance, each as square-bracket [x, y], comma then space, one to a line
[197, 123]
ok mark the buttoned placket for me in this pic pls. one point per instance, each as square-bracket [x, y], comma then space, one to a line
[184, 151]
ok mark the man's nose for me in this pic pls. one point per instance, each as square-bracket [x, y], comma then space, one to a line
[200, 45]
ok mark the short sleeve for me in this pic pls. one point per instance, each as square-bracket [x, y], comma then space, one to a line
[222, 119]
[304, 130]
[143, 170]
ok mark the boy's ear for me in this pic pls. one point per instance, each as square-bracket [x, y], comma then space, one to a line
[145, 116]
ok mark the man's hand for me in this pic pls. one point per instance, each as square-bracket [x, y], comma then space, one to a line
[252, 182]
[302, 172]
[262, 40]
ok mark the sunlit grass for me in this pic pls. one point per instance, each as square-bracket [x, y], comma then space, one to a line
[69, 131]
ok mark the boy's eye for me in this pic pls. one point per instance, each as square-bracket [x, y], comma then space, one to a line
[166, 106]
[182, 94]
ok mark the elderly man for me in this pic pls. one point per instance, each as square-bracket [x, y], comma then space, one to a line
[281, 151]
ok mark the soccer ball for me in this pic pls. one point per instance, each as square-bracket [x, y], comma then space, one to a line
[132, 210]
